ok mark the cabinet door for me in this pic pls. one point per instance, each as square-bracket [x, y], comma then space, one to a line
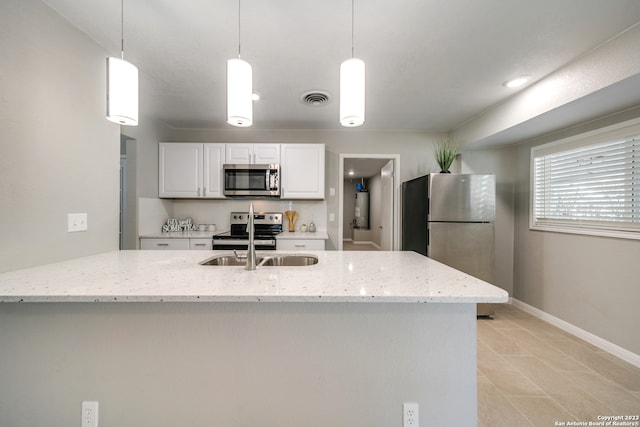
[266, 154]
[180, 170]
[200, 244]
[212, 170]
[164, 244]
[299, 245]
[302, 170]
[239, 154]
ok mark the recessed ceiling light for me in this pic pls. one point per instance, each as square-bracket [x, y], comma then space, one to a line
[518, 81]
[255, 96]
[351, 172]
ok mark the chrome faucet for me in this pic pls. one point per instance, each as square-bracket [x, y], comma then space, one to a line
[251, 249]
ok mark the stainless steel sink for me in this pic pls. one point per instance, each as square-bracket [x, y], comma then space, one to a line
[225, 260]
[289, 260]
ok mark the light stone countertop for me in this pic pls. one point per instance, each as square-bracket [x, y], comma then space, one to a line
[176, 276]
[285, 235]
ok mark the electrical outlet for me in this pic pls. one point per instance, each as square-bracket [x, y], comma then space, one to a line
[77, 222]
[332, 217]
[410, 415]
[89, 414]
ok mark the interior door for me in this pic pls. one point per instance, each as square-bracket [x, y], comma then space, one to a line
[386, 214]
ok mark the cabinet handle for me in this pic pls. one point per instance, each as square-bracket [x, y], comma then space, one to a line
[162, 244]
[200, 244]
[204, 191]
[300, 246]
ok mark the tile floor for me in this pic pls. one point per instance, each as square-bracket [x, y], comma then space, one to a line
[531, 373]
[348, 245]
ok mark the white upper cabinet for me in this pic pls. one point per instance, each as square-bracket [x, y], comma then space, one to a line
[253, 154]
[212, 170]
[180, 169]
[190, 170]
[302, 171]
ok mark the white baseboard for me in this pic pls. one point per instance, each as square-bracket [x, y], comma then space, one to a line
[595, 340]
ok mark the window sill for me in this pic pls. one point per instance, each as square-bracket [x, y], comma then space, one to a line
[630, 235]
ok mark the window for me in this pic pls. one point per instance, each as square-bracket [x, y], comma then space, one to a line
[588, 184]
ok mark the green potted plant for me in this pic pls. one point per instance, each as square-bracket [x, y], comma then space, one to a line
[445, 154]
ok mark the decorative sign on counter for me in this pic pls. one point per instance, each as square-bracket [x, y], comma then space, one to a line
[174, 224]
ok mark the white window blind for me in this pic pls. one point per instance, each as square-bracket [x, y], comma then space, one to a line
[590, 186]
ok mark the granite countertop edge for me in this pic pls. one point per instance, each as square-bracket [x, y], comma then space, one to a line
[177, 276]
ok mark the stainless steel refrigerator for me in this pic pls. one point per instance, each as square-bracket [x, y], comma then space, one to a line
[450, 218]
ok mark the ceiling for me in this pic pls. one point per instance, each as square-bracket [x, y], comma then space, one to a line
[431, 64]
[363, 167]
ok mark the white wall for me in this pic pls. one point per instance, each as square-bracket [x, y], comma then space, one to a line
[348, 207]
[375, 207]
[58, 153]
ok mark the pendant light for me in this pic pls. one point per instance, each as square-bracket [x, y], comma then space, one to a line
[352, 87]
[122, 85]
[239, 89]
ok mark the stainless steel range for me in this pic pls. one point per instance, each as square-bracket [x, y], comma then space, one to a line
[267, 226]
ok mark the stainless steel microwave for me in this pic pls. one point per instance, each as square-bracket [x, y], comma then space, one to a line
[252, 180]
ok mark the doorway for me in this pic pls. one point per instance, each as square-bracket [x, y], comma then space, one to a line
[368, 203]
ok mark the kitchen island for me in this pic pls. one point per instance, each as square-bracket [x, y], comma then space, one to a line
[160, 340]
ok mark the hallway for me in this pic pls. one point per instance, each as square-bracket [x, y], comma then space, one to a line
[349, 245]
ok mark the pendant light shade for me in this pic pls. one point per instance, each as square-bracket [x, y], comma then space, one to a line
[239, 93]
[122, 92]
[352, 85]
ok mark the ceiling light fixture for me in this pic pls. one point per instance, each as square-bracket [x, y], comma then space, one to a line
[122, 85]
[239, 89]
[352, 86]
[517, 82]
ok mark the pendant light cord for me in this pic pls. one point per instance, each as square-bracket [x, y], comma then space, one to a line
[239, 29]
[122, 28]
[352, 20]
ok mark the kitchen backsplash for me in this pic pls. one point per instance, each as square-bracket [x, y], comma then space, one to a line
[217, 211]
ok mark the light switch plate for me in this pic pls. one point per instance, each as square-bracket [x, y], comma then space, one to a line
[77, 222]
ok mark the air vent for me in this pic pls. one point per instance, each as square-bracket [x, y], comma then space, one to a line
[315, 98]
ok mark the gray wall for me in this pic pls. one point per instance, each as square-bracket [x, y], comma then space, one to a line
[237, 364]
[590, 282]
[58, 153]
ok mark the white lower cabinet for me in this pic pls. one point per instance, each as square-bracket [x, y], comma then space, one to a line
[300, 245]
[200, 244]
[164, 244]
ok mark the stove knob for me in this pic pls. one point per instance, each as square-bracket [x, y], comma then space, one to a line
[271, 217]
